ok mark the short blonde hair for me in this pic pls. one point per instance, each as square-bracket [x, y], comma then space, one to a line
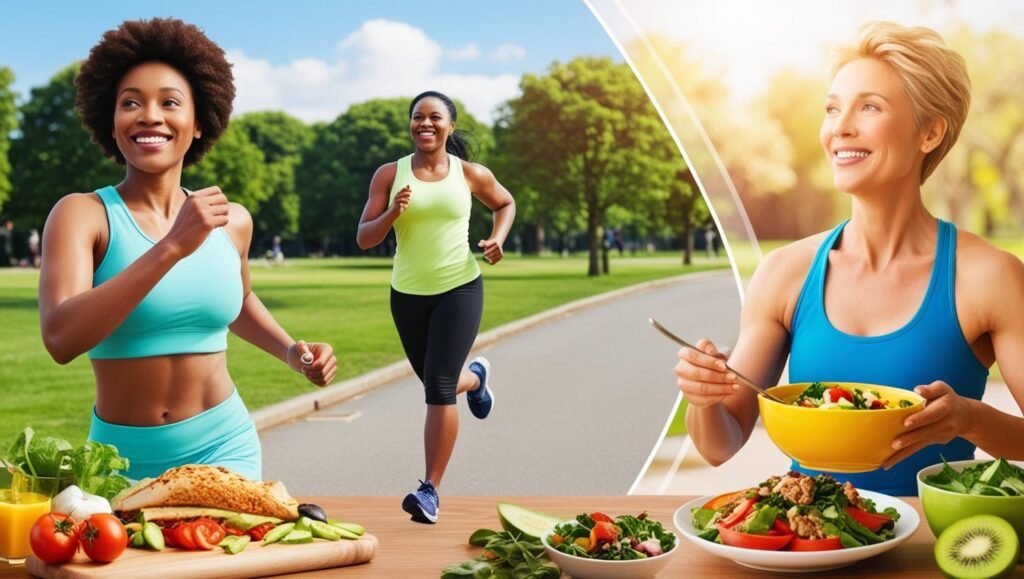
[934, 76]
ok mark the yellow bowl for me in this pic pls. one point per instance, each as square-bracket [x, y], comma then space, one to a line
[834, 439]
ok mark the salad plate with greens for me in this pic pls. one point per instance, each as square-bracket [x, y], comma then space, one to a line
[797, 523]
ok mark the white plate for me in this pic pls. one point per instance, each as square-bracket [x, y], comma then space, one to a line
[802, 561]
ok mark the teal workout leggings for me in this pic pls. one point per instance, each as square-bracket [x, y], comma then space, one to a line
[223, 436]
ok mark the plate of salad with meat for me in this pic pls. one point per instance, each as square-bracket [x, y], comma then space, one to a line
[796, 522]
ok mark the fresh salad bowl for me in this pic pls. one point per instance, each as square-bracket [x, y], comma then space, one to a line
[837, 439]
[807, 561]
[585, 567]
[942, 506]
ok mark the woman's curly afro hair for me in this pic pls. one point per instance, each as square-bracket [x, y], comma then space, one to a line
[173, 42]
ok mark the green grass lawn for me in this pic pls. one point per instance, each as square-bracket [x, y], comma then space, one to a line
[340, 301]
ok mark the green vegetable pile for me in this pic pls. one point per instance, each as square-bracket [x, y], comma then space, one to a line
[92, 465]
[506, 555]
[995, 478]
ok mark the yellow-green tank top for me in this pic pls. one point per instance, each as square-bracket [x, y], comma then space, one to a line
[433, 253]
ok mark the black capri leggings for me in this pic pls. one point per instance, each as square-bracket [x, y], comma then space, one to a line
[437, 332]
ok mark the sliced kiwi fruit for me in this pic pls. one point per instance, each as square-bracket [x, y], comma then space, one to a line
[977, 547]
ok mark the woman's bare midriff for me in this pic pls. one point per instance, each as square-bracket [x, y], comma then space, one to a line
[160, 390]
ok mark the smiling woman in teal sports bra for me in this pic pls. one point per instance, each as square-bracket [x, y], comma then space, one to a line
[148, 277]
[892, 296]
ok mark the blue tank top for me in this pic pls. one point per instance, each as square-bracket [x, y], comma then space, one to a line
[189, 309]
[931, 346]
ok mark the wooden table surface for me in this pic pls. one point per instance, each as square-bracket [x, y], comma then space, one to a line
[409, 549]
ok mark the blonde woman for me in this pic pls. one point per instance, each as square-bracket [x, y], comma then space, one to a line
[893, 295]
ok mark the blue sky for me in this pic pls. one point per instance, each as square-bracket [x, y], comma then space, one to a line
[313, 58]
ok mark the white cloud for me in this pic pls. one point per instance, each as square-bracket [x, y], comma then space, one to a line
[468, 52]
[506, 52]
[379, 60]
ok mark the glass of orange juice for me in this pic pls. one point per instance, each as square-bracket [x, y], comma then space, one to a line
[23, 499]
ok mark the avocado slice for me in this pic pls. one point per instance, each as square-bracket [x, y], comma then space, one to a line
[531, 524]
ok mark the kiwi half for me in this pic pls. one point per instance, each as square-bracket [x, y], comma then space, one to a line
[977, 547]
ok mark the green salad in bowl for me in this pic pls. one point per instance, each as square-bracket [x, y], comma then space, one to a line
[598, 536]
[598, 546]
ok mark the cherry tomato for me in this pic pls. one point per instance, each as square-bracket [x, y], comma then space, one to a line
[103, 537]
[598, 517]
[872, 521]
[54, 538]
[773, 541]
[828, 544]
[603, 532]
[738, 514]
[257, 532]
[836, 393]
[184, 536]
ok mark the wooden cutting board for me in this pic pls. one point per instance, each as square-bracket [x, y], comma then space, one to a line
[255, 561]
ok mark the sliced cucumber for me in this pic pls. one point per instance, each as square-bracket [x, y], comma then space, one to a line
[153, 536]
[277, 533]
[325, 531]
[296, 537]
[353, 528]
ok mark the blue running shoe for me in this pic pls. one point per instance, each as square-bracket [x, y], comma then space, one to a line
[423, 504]
[481, 400]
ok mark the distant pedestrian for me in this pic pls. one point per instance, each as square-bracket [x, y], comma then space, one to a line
[276, 254]
[7, 232]
[33, 247]
[710, 239]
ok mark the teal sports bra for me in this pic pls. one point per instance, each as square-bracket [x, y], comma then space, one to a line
[931, 346]
[189, 309]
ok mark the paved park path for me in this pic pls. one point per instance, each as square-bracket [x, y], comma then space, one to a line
[580, 403]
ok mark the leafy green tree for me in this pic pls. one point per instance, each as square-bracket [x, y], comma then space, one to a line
[236, 166]
[53, 155]
[283, 139]
[8, 122]
[585, 135]
[335, 172]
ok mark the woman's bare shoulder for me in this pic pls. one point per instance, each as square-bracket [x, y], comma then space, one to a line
[793, 259]
[985, 265]
[74, 207]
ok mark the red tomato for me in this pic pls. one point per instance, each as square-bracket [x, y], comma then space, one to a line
[170, 537]
[598, 517]
[722, 500]
[234, 531]
[215, 530]
[872, 521]
[103, 537]
[738, 514]
[257, 532]
[54, 538]
[603, 532]
[781, 526]
[836, 393]
[829, 544]
[876, 404]
[203, 538]
[770, 542]
[184, 537]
